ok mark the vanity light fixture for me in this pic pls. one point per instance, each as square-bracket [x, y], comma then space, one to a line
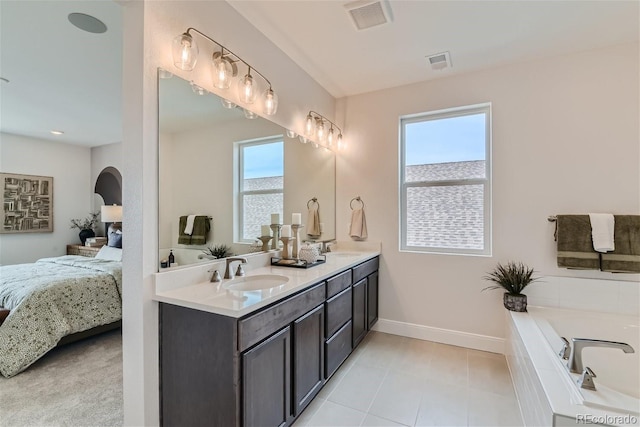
[316, 123]
[227, 104]
[197, 89]
[224, 69]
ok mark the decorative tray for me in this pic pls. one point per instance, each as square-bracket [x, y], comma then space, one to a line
[298, 263]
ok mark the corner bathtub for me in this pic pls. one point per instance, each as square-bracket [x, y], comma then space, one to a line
[548, 393]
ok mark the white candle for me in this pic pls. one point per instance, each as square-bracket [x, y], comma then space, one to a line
[285, 231]
[296, 219]
[266, 230]
[275, 218]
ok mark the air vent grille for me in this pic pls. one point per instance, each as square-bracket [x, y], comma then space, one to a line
[367, 14]
[439, 61]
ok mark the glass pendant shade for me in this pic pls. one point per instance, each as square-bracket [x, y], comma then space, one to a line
[339, 142]
[227, 104]
[223, 71]
[197, 89]
[291, 134]
[330, 137]
[185, 52]
[320, 131]
[250, 114]
[270, 102]
[309, 126]
[247, 89]
[303, 139]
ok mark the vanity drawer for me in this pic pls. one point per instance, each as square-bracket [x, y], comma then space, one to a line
[259, 326]
[337, 349]
[363, 270]
[338, 311]
[338, 283]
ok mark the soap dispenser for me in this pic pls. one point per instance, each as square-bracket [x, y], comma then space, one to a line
[172, 259]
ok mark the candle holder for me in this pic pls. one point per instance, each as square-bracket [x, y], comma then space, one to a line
[295, 228]
[285, 249]
[265, 242]
[276, 235]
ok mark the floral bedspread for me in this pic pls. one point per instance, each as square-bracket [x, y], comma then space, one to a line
[51, 298]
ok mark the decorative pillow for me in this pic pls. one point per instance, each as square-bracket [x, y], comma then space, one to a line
[115, 239]
[109, 253]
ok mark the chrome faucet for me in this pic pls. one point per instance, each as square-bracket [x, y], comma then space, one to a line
[228, 274]
[575, 357]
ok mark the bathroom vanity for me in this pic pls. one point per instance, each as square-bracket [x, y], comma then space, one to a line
[261, 361]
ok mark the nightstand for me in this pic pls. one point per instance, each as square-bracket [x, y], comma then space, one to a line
[87, 251]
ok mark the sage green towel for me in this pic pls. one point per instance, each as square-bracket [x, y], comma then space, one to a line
[201, 227]
[575, 246]
[626, 257]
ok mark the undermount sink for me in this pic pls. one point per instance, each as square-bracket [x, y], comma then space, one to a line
[255, 283]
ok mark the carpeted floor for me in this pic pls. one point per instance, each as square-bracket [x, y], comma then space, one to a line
[79, 384]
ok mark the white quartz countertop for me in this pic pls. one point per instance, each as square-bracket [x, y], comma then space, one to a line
[214, 298]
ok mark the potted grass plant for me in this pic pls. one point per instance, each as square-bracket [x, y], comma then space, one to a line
[512, 278]
[217, 251]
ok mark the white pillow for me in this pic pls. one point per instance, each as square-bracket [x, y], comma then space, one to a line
[109, 253]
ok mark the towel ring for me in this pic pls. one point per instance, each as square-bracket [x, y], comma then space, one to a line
[313, 200]
[358, 199]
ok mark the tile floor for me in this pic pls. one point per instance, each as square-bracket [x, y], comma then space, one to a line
[396, 381]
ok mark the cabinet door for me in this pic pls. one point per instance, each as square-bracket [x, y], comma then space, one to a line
[266, 381]
[308, 357]
[359, 311]
[372, 299]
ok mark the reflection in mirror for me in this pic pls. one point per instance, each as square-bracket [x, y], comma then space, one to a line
[217, 164]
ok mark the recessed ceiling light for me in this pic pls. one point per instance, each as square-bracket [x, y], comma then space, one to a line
[87, 23]
[57, 132]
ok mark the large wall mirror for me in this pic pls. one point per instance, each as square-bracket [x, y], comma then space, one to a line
[215, 162]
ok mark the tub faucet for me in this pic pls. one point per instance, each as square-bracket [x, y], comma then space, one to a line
[575, 357]
[228, 274]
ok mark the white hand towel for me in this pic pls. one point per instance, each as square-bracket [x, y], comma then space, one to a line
[313, 222]
[188, 228]
[358, 227]
[602, 226]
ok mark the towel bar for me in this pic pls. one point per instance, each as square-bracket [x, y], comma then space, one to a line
[356, 199]
[313, 200]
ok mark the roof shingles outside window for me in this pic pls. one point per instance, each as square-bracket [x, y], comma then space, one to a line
[446, 216]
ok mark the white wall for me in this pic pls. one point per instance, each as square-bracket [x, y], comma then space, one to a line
[70, 167]
[149, 28]
[565, 140]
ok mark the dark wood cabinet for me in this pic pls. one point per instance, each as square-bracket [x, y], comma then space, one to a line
[372, 299]
[266, 374]
[308, 358]
[264, 368]
[359, 311]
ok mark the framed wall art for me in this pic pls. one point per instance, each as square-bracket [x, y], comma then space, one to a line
[27, 203]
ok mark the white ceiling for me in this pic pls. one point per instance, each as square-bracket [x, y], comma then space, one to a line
[61, 77]
[322, 39]
[64, 78]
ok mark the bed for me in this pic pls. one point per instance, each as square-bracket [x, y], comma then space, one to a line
[55, 300]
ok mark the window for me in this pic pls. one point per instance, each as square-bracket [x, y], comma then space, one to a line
[260, 185]
[446, 181]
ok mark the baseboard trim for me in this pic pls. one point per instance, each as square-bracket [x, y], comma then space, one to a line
[444, 336]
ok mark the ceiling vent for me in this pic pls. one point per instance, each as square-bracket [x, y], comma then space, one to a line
[439, 61]
[367, 13]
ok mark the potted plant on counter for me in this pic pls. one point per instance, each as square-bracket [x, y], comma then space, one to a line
[512, 278]
[86, 226]
[217, 252]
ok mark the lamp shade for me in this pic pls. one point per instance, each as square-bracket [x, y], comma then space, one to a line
[111, 213]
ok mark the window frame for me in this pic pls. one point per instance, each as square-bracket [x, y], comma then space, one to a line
[239, 193]
[484, 108]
